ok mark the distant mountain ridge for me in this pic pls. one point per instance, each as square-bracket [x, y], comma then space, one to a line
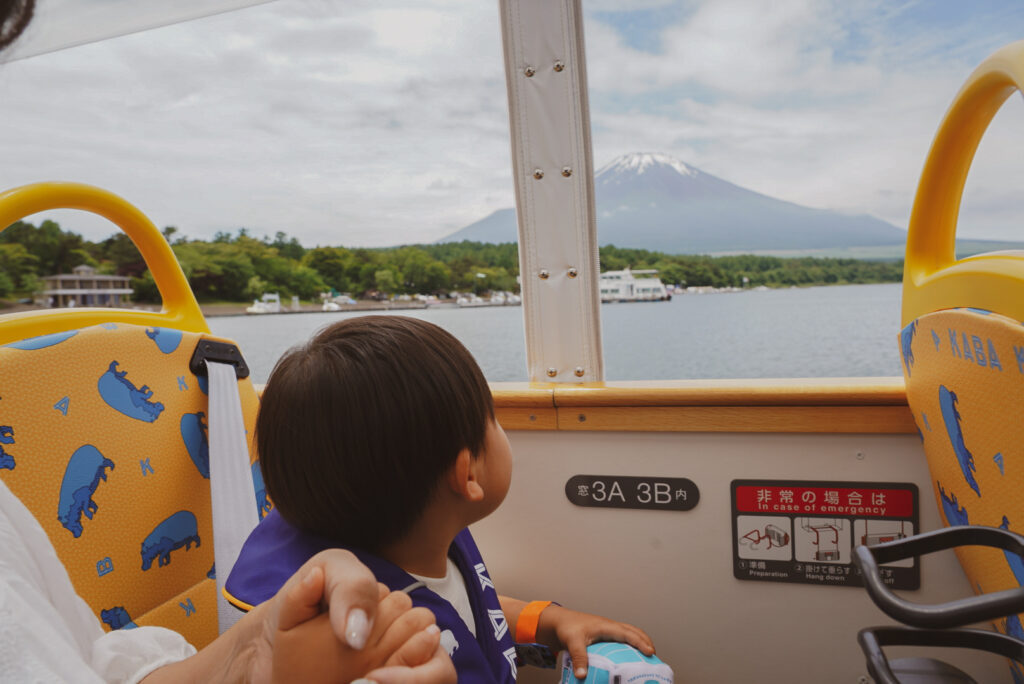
[656, 202]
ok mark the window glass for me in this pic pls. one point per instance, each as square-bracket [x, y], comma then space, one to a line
[794, 131]
[290, 150]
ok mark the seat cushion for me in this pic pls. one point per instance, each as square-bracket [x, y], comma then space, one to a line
[103, 436]
[964, 371]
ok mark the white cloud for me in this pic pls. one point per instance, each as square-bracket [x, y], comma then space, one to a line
[346, 122]
[331, 127]
[812, 102]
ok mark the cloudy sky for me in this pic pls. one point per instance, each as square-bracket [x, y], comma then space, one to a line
[378, 122]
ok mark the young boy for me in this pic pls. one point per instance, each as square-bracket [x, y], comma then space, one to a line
[378, 436]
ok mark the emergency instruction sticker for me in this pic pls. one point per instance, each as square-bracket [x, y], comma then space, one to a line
[804, 531]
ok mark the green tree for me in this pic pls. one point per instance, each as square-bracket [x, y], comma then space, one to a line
[19, 266]
[386, 281]
[6, 285]
[333, 265]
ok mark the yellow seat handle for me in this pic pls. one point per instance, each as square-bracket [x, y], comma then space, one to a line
[933, 278]
[180, 309]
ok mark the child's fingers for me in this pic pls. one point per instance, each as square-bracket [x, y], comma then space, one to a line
[438, 670]
[418, 649]
[389, 609]
[299, 599]
[637, 638]
[609, 631]
[624, 633]
[577, 647]
[406, 626]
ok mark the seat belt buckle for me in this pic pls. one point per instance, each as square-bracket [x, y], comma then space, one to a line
[218, 352]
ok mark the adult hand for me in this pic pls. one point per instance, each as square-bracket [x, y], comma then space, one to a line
[333, 622]
[308, 631]
[333, 580]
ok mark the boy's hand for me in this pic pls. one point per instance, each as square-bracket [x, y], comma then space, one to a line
[574, 631]
[399, 635]
[437, 670]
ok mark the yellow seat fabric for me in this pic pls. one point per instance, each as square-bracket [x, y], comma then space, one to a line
[103, 435]
[964, 370]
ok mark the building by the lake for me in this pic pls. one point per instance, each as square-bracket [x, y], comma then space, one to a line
[84, 287]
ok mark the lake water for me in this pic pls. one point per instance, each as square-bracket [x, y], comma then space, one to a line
[838, 331]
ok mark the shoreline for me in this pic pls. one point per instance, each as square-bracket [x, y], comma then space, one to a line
[226, 309]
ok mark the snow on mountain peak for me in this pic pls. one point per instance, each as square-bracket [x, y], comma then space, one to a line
[638, 162]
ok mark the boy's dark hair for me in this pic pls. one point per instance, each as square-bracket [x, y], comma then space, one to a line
[14, 17]
[357, 427]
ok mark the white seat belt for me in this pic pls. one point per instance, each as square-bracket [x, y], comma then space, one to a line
[231, 488]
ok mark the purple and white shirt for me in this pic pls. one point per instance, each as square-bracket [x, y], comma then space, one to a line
[276, 549]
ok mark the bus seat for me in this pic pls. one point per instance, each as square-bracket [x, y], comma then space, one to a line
[103, 435]
[962, 341]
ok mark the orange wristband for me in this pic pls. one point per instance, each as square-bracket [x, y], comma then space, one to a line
[526, 625]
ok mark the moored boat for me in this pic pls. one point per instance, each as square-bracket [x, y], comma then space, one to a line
[624, 286]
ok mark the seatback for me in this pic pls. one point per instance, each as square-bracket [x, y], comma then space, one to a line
[103, 435]
[963, 341]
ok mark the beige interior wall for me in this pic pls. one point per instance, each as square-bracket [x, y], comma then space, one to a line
[671, 572]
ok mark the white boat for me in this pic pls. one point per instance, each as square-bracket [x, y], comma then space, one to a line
[624, 286]
[467, 301]
[269, 303]
[506, 298]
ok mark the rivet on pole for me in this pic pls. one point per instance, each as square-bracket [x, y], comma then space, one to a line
[579, 371]
[529, 71]
[566, 171]
[538, 174]
[544, 274]
[552, 372]
[573, 272]
[559, 65]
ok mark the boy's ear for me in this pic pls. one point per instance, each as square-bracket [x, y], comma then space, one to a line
[463, 477]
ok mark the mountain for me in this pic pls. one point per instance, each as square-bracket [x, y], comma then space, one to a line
[656, 202]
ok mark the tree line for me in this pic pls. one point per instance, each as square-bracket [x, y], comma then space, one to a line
[238, 266]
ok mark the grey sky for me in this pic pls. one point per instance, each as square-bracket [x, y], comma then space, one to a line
[375, 123]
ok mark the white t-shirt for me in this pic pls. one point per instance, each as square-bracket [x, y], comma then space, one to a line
[452, 588]
[47, 632]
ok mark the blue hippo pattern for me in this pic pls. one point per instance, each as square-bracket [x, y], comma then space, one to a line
[140, 373]
[955, 513]
[1013, 627]
[43, 341]
[178, 530]
[263, 506]
[193, 433]
[120, 394]
[6, 437]
[906, 342]
[951, 416]
[1015, 562]
[167, 339]
[117, 618]
[86, 467]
